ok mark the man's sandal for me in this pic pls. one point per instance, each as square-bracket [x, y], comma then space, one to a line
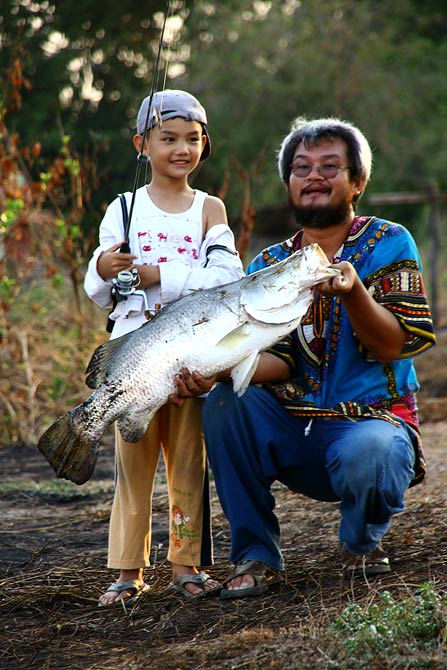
[365, 565]
[200, 579]
[136, 590]
[264, 577]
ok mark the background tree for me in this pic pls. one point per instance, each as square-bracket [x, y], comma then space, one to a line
[254, 64]
[72, 74]
[84, 68]
[378, 64]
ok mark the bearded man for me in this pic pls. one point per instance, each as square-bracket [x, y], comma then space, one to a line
[331, 411]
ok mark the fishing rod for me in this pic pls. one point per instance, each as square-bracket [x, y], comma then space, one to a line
[124, 285]
[142, 159]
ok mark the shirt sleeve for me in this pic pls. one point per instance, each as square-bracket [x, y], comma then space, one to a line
[111, 232]
[218, 263]
[398, 285]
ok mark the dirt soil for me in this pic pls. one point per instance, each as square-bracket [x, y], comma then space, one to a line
[53, 542]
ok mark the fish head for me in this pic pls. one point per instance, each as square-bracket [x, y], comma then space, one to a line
[314, 266]
[283, 292]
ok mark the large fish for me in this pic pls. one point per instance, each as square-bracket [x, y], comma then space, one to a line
[210, 330]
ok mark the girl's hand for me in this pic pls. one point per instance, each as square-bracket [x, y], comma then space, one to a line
[110, 262]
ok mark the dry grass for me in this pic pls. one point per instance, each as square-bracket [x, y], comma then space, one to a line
[46, 346]
[53, 538]
[53, 569]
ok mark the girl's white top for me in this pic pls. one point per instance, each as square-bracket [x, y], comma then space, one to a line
[175, 243]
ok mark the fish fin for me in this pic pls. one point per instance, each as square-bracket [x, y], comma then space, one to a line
[242, 373]
[133, 425]
[71, 456]
[233, 339]
[98, 367]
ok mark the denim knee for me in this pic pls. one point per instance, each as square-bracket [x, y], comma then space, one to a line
[383, 459]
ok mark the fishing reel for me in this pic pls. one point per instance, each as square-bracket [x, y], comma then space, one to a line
[125, 284]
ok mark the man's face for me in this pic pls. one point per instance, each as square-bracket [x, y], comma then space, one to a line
[324, 197]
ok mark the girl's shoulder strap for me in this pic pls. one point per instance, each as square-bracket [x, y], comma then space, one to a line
[199, 198]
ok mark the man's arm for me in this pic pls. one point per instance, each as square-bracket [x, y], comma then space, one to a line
[191, 384]
[375, 326]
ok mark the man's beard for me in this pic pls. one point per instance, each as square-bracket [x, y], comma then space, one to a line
[321, 217]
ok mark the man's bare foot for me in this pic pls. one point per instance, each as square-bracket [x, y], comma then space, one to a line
[110, 597]
[178, 570]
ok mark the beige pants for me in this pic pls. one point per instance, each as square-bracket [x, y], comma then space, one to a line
[177, 432]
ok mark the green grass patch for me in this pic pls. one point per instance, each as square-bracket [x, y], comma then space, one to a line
[406, 634]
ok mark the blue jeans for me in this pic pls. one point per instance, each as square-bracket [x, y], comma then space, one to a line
[252, 441]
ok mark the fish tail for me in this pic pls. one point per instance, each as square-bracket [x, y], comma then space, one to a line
[72, 456]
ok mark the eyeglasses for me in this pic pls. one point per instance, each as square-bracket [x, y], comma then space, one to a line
[327, 170]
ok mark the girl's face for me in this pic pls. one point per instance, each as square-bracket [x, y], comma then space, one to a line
[174, 148]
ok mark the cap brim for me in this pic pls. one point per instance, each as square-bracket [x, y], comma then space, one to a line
[207, 148]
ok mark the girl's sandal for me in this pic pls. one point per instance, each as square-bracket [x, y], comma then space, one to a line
[200, 579]
[136, 589]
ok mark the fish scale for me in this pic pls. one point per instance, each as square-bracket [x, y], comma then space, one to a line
[210, 330]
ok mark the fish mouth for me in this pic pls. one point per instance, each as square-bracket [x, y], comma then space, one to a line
[333, 272]
[321, 274]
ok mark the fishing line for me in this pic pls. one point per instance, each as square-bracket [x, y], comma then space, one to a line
[163, 88]
[158, 88]
[142, 159]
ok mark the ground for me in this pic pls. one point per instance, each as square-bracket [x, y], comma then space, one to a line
[53, 538]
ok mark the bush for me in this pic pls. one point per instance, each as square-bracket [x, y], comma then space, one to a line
[394, 634]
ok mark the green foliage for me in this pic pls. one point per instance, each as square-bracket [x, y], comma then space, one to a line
[391, 629]
[7, 288]
[41, 307]
[374, 63]
[83, 69]
[72, 75]
[13, 206]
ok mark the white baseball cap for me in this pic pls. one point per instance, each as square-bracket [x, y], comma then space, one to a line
[169, 104]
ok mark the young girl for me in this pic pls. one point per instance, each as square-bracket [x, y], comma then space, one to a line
[179, 241]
